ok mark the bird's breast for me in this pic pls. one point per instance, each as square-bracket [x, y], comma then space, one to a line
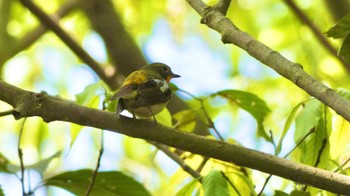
[162, 85]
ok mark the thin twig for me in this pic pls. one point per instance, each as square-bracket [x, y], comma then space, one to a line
[223, 6]
[319, 154]
[68, 40]
[178, 160]
[318, 34]
[211, 123]
[94, 174]
[36, 33]
[201, 166]
[273, 142]
[5, 113]
[285, 156]
[342, 165]
[300, 141]
[231, 184]
[264, 186]
[206, 115]
[98, 163]
[20, 156]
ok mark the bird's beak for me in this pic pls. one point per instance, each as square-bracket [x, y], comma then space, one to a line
[172, 76]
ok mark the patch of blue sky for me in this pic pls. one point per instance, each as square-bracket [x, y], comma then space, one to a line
[202, 70]
[95, 46]
[252, 68]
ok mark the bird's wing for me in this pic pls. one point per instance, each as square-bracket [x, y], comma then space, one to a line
[126, 91]
[130, 85]
[153, 92]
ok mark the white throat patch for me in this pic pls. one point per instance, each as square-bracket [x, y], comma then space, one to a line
[162, 84]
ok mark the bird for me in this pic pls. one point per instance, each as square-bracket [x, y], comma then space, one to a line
[145, 92]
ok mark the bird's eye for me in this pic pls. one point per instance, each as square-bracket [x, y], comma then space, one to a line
[165, 68]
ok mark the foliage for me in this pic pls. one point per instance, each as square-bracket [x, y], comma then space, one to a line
[226, 91]
[107, 183]
[342, 30]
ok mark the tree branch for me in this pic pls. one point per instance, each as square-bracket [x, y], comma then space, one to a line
[292, 71]
[178, 160]
[73, 45]
[318, 34]
[31, 37]
[49, 108]
[121, 47]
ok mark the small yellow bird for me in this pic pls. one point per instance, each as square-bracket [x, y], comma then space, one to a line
[145, 92]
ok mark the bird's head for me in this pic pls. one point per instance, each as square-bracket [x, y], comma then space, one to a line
[162, 69]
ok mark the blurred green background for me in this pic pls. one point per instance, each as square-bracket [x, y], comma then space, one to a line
[169, 32]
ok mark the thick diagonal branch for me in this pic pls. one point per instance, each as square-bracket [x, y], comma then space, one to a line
[290, 70]
[67, 39]
[28, 104]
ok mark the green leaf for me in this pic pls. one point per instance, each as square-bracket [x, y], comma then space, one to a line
[344, 93]
[42, 165]
[39, 166]
[215, 184]
[337, 140]
[164, 118]
[287, 126]
[308, 118]
[90, 97]
[345, 49]
[299, 193]
[280, 193]
[342, 127]
[107, 183]
[4, 163]
[188, 189]
[315, 147]
[185, 120]
[341, 29]
[90, 93]
[250, 103]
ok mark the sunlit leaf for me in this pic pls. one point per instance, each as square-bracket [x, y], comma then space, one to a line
[188, 189]
[90, 93]
[315, 148]
[90, 97]
[308, 118]
[42, 165]
[164, 118]
[287, 126]
[39, 166]
[342, 127]
[250, 103]
[341, 29]
[185, 120]
[215, 184]
[337, 140]
[107, 183]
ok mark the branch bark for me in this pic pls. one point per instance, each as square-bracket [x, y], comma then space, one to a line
[27, 104]
[122, 48]
[292, 71]
[17, 45]
[68, 40]
[318, 34]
